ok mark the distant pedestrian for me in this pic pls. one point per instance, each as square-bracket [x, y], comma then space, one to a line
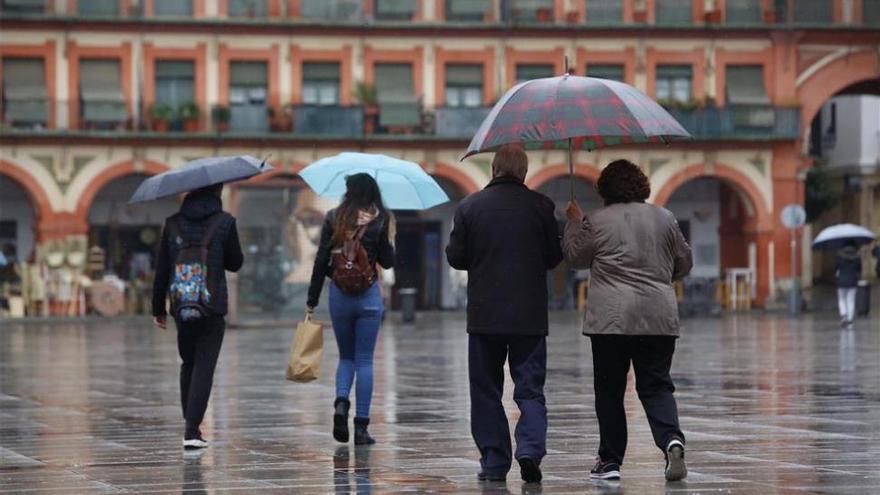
[506, 238]
[634, 251]
[355, 237]
[199, 243]
[848, 270]
[876, 253]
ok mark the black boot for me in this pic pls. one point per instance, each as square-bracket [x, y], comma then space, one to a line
[340, 419]
[361, 436]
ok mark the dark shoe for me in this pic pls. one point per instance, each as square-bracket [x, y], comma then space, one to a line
[491, 477]
[340, 419]
[194, 441]
[361, 436]
[676, 469]
[605, 471]
[530, 470]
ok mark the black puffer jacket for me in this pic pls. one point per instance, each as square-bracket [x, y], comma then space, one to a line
[848, 267]
[375, 241]
[224, 250]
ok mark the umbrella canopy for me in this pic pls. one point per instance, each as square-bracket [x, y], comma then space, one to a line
[837, 236]
[574, 112]
[404, 185]
[198, 174]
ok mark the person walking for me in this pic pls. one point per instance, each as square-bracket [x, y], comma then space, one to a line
[201, 226]
[634, 252]
[355, 236]
[848, 270]
[507, 238]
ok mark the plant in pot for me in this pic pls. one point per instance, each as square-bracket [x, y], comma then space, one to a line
[544, 14]
[160, 116]
[190, 113]
[572, 17]
[365, 93]
[220, 116]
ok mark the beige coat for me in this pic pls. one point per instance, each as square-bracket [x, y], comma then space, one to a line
[634, 251]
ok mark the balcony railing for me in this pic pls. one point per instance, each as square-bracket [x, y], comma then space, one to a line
[733, 122]
[677, 14]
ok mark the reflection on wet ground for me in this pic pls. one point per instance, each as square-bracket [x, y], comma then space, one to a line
[769, 404]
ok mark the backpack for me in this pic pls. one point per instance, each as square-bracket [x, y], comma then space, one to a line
[352, 271]
[189, 291]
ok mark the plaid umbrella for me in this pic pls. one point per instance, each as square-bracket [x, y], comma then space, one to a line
[572, 112]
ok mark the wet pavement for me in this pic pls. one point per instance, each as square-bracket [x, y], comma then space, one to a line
[769, 405]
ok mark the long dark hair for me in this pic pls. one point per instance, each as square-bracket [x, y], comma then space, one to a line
[361, 193]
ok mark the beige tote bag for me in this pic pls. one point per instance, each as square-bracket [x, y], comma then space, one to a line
[304, 364]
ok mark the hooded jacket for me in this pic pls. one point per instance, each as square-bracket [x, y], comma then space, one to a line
[224, 249]
[848, 267]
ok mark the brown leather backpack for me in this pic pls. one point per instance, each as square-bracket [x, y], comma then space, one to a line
[352, 271]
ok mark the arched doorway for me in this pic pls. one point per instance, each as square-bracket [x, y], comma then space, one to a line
[128, 234]
[279, 224]
[562, 282]
[18, 219]
[421, 261]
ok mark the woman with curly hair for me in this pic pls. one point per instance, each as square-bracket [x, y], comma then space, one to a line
[635, 251]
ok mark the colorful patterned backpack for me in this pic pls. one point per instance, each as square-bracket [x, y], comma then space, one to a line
[189, 292]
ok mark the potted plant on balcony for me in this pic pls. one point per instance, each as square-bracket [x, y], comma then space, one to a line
[365, 93]
[544, 14]
[572, 17]
[713, 16]
[220, 116]
[190, 113]
[160, 116]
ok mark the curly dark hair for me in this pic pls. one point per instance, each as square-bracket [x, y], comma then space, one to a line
[623, 181]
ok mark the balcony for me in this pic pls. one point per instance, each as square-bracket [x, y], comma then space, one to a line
[458, 122]
[322, 120]
[747, 122]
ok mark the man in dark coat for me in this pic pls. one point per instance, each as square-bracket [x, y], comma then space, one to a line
[198, 341]
[848, 269]
[506, 237]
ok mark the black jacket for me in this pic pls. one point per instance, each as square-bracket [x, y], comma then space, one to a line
[848, 267]
[375, 242]
[506, 237]
[224, 250]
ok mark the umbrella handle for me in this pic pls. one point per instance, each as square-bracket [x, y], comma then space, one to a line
[570, 171]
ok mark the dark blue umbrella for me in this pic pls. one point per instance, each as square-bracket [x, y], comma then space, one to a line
[198, 174]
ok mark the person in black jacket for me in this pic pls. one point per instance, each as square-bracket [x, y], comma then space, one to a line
[198, 341]
[507, 238]
[848, 269]
[356, 317]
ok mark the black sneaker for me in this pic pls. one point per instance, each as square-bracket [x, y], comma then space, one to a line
[605, 471]
[195, 442]
[491, 477]
[530, 470]
[676, 470]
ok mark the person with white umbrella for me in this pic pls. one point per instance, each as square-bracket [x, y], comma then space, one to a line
[845, 238]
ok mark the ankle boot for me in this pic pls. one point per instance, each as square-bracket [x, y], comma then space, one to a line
[340, 419]
[361, 436]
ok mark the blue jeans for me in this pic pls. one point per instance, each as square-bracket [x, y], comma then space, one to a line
[356, 321]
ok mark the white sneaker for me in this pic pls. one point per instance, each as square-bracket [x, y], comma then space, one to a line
[195, 443]
[676, 469]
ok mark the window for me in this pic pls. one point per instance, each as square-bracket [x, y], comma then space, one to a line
[615, 72]
[24, 92]
[527, 72]
[604, 11]
[23, 6]
[339, 10]
[743, 12]
[396, 10]
[677, 12]
[747, 97]
[871, 12]
[247, 8]
[398, 105]
[813, 12]
[467, 10]
[175, 82]
[528, 10]
[98, 7]
[180, 8]
[100, 91]
[247, 96]
[674, 83]
[464, 85]
[320, 83]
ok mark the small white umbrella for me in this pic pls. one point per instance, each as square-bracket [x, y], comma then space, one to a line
[837, 236]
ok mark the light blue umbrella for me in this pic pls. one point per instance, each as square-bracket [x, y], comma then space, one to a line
[404, 185]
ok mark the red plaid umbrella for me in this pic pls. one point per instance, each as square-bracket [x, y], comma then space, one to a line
[572, 112]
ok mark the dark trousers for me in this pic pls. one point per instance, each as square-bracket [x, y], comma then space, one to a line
[527, 357]
[199, 346]
[651, 357]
